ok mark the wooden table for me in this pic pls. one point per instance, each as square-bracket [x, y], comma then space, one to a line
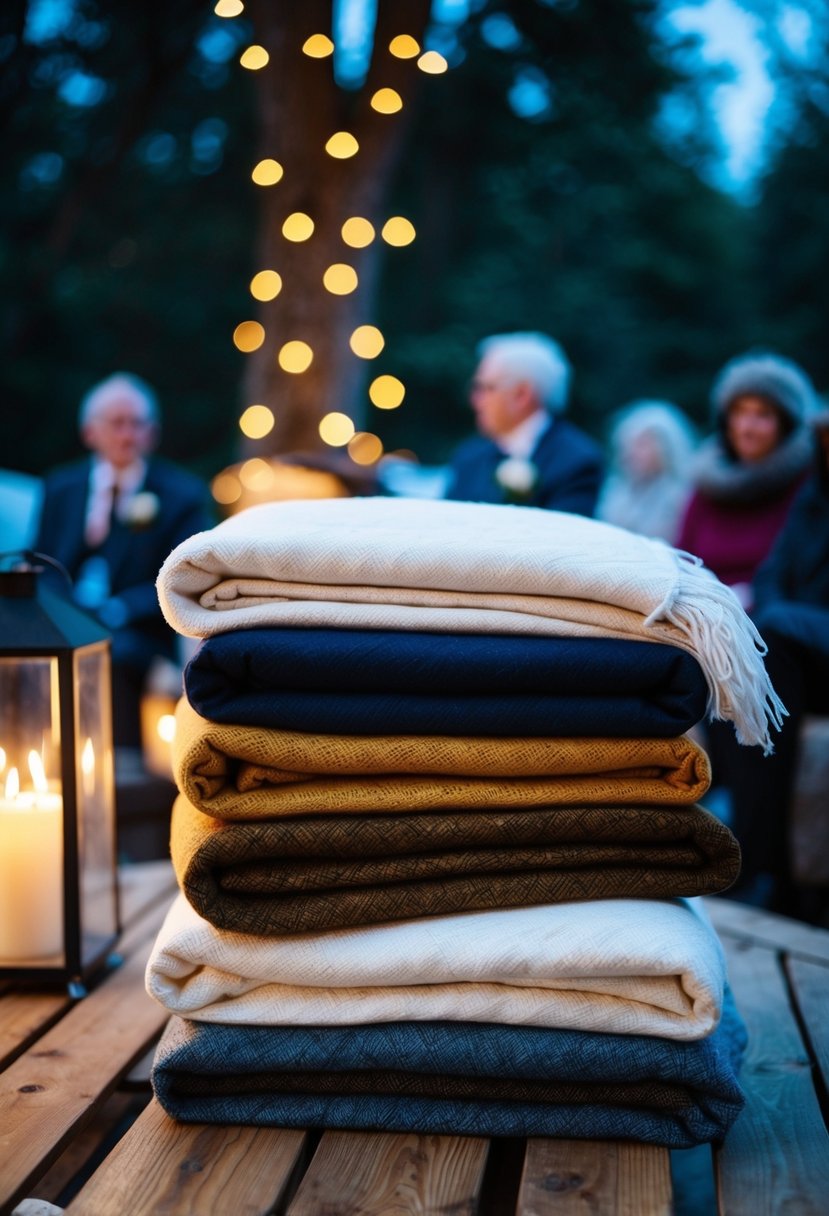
[78, 1127]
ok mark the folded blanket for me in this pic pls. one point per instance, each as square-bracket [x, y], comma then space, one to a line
[474, 1079]
[467, 568]
[624, 966]
[296, 874]
[363, 682]
[251, 772]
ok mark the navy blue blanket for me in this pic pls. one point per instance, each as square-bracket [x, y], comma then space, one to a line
[362, 681]
[455, 1078]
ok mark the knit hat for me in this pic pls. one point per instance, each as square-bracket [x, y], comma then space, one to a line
[767, 375]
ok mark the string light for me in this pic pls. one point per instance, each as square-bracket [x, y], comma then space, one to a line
[404, 46]
[342, 145]
[256, 474]
[367, 341]
[267, 172]
[398, 231]
[336, 429]
[226, 489]
[228, 8]
[357, 232]
[256, 421]
[248, 336]
[295, 357]
[365, 448]
[318, 46]
[387, 101]
[266, 285]
[386, 392]
[340, 279]
[432, 62]
[298, 226]
[254, 58]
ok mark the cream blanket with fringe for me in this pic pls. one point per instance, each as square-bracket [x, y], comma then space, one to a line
[380, 563]
[623, 966]
[255, 772]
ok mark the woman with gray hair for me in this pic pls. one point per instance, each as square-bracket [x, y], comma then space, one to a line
[748, 473]
[651, 445]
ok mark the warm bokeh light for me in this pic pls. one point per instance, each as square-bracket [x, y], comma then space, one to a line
[295, 357]
[256, 474]
[398, 231]
[318, 46]
[228, 8]
[256, 421]
[226, 489]
[341, 145]
[432, 62]
[266, 285]
[166, 727]
[386, 392]
[365, 448]
[298, 226]
[248, 336]
[387, 101]
[367, 341]
[404, 46]
[267, 173]
[254, 58]
[336, 429]
[340, 279]
[357, 232]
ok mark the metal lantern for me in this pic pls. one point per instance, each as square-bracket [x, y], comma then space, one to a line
[58, 878]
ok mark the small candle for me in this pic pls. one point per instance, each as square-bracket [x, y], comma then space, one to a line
[31, 868]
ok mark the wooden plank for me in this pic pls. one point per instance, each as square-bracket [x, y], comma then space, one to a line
[98, 1135]
[810, 985]
[197, 1169]
[143, 886]
[380, 1174]
[138, 1077]
[594, 1178]
[776, 1156]
[767, 929]
[48, 1092]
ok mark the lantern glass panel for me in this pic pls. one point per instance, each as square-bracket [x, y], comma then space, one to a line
[31, 814]
[95, 799]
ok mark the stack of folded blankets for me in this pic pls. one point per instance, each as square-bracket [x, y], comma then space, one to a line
[437, 826]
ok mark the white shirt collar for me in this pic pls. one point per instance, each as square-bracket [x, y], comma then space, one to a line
[104, 476]
[522, 439]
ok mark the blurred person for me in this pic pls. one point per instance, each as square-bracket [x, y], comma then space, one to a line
[525, 452]
[648, 486]
[111, 520]
[747, 475]
[791, 593]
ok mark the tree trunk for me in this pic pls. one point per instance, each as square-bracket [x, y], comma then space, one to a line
[301, 107]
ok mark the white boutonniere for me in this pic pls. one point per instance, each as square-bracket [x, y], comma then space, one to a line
[518, 477]
[140, 511]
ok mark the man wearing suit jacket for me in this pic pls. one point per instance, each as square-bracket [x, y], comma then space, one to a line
[111, 520]
[526, 452]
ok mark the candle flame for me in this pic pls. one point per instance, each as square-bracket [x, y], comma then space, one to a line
[88, 758]
[12, 784]
[38, 775]
[166, 728]
[2, 758]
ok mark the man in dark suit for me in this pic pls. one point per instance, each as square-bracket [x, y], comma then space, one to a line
[526, 452]
[111, 520]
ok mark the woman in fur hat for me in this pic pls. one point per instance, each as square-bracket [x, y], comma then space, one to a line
[747, 474]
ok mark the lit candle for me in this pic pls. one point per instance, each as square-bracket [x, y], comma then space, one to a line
[31, 868]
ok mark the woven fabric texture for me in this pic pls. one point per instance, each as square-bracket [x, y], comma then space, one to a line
[363, 682]
[250, 772]
[296, 874]
[467, 568]
[216, 1073]
[621, 966]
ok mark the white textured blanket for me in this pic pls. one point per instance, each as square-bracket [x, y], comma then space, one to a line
[624, 966]
[382, 563]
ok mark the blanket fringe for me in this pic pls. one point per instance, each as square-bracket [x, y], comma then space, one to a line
[729, 650]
